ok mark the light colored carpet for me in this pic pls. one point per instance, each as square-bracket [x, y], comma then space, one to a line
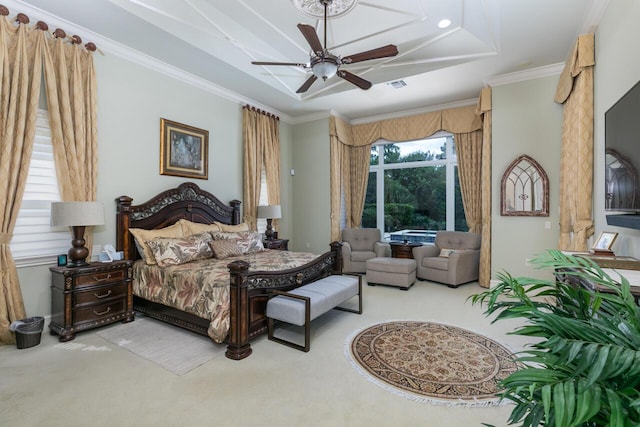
[432, 362]
[175, 349]
[102, 384]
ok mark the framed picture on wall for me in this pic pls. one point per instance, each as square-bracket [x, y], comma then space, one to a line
[184, 150]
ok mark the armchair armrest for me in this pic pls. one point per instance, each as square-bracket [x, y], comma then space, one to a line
[346, 256]
[465, 263]
[425, 251]
[382, 249]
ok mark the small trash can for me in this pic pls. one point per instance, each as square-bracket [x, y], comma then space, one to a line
[28, 331]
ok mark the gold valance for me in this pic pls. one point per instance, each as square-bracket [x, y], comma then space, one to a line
[454, 120]
[582, 56]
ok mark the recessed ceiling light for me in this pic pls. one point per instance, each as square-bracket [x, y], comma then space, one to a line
[444, 23]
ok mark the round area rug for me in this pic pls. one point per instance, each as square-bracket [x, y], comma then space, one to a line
[432, 362]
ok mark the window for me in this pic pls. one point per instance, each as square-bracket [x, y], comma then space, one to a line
[413, 189]
[261, 223]
[34, 241]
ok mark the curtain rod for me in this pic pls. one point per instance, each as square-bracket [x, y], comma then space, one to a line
[41, 25]
[257, 110]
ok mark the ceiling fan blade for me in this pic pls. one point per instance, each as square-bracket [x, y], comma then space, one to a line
[352, 78]
[307, 84]
[295, 64]
[310, 34]
[381, 52]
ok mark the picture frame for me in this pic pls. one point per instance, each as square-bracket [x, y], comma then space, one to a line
[184, 150]
[605, 241]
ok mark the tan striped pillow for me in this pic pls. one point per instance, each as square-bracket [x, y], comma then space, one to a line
[224, 248]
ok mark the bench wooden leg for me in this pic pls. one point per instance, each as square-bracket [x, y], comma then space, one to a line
[307, 323]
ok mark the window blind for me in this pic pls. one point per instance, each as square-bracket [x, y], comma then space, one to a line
[34, 240]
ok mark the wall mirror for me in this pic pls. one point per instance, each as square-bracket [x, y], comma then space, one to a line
[525, 189]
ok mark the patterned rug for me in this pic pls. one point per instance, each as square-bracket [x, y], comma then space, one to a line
[432, 362]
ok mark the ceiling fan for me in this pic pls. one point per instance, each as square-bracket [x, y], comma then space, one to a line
[324, 64]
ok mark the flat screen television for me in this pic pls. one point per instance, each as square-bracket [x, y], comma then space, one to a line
[622, 153]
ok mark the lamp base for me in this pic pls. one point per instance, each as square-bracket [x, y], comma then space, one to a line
[78, 253]
[268, 234]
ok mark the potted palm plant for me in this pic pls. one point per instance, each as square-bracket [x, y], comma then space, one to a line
[583, 366]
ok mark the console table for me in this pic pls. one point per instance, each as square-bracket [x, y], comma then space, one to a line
[633, 276]
[616, 266]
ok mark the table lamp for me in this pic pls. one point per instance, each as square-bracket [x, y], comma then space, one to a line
[269, 212]
[77, 215]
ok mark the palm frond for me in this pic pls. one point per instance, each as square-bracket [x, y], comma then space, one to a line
[584, 367]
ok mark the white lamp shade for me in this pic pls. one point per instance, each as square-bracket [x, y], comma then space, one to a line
[271, 212]
[76, 214]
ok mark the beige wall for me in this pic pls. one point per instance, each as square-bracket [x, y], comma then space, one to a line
[310, 196]
[617, 70]
[526, 120]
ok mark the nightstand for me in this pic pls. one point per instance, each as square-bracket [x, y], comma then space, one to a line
[87, 297]
[279, 244]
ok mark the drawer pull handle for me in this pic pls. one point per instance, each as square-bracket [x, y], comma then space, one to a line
[102, 279]
[103, 295]
[102, 313]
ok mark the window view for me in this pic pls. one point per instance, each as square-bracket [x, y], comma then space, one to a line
[413, 189]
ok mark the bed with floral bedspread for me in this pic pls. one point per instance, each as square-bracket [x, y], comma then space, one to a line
[223, 296]
[202, 287]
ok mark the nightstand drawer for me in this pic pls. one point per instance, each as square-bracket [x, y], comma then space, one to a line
[101, 293]
[99, 311]
[99, 278]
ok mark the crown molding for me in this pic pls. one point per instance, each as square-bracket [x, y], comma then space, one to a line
[110, 46]
[530, 74]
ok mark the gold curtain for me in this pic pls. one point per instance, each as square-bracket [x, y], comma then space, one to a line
[70, 84]
[351, 148]
[575, 91]
[484, 109]
[261, 137]
[25, 55]
[469, 151]
[20, 76]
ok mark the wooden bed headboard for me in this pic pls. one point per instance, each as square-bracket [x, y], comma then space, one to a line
[187, 201]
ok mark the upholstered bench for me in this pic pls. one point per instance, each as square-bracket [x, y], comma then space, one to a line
[301, 305]
[399, 272]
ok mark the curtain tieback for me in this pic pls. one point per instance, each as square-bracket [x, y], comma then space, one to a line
[5, 238]
[583, 226]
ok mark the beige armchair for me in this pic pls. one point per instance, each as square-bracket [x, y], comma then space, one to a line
[359, 245]
[453, 260]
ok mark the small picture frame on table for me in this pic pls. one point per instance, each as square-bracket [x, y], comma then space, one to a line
[184, 150]
[603, 244]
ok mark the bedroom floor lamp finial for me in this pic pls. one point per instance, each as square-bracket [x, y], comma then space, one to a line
[77, 215]
[270, 212]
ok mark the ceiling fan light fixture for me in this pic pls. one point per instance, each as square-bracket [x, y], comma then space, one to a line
[326, 67]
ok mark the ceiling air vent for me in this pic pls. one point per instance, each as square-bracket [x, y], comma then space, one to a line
[398, 84]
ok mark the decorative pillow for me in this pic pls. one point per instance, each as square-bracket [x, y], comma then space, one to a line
[180, 250]
[445, 253]
[142, 236]
[190, 227]
[232, 228]
[247, 241]
[224, 248]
